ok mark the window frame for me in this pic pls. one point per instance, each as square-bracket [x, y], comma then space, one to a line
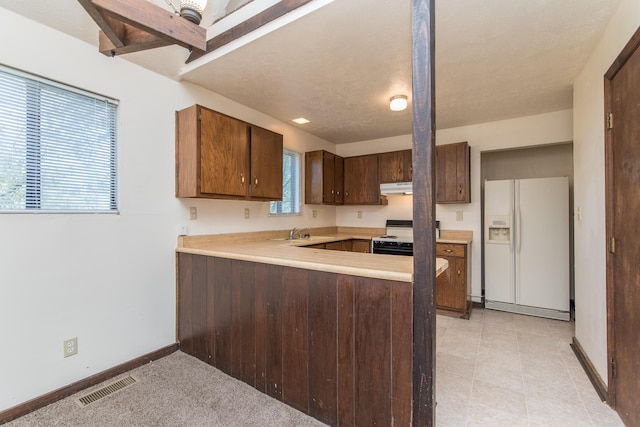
[33, 162]
[298, 190]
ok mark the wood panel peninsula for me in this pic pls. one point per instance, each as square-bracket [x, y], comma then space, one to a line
[328, 332]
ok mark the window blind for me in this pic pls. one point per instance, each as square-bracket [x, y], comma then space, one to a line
[57, 147]
[290, 203]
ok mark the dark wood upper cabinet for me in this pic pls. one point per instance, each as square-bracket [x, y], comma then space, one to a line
[453, 173]
[323, 178]
[361, 181]
[395, 166]
[218, 156]
[266, 164]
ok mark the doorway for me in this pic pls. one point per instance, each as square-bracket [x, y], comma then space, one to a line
[622, 171]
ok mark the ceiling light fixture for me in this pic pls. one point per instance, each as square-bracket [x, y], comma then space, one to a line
[134, 25]
[192, 10]
[398, 102]
[301, 121]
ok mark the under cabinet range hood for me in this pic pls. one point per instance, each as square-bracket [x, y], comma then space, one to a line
[396, 188]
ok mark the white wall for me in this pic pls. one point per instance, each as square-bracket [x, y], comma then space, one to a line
[522, 132]
[589, 187]
[108, 279]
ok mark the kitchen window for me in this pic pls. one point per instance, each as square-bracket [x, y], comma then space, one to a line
[290, 204]
[57, 147]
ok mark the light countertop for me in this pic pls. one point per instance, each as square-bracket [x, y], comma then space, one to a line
[271, 248]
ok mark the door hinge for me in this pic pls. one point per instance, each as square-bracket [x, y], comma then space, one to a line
[609, 120]
[614, 371]
[612, 245]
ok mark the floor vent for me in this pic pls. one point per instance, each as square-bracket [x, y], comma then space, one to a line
[105, 391]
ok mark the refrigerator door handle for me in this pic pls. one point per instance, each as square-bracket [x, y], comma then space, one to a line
[519, 229]
[511, 231]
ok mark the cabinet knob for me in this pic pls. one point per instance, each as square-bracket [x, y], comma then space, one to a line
[346, 193]
[338, 193]
[459, 272]
[460, 189]
[255, 178]
[241, 179]
[332, 192]
[448, 250]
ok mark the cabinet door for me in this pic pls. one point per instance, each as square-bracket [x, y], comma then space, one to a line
[408, 165]
[328, 184]
[361, 184]
[334, 246]
[448, 295]
[338, 180]
[266, 164]
[363, 246]
[313, 175]
[224, 155]
[391, 167]
[395, 166]
[452, 173]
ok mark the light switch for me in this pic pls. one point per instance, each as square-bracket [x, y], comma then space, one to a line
[359, 214]
[315, 214]
[193, 213]
[247, 213]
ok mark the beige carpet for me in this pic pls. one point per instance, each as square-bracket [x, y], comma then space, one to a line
[178, 390]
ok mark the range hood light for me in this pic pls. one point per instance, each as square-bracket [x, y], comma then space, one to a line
[396, 188]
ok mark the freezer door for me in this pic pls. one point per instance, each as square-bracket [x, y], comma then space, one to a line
[542, 243]
[499, 257]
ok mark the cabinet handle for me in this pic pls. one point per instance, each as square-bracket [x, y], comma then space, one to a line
[332, 192]
[459, 272]
[448, 250]
[460, 189]
[241, 179]
[256, 180]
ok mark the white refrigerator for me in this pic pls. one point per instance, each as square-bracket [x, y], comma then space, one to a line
[526, 246]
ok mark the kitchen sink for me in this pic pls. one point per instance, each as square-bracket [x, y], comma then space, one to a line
[305, 239]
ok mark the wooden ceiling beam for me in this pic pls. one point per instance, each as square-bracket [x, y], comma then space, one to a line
[115, 17]
[107, 25]
[135, 40]
[266, 16]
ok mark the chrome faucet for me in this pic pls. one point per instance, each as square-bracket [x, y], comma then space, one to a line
[292, 233]
[295, 230]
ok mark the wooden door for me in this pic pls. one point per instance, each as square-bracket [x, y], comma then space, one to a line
[408, 165]
[266, 164]
[391, 167]
[328, 172]
[224, 164]
[622, 84]
[338, 180]
[453, 173]
[361, 185]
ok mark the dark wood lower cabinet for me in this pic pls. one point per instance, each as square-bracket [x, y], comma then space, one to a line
[336, 347]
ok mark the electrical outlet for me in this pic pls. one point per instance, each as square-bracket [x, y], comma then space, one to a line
[247, 213]
[70, 347]
[193, 213]
[359, 214]
[459, 216]
[315, 213]
[182, 230]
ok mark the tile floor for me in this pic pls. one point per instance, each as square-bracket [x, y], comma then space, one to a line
[503, 369]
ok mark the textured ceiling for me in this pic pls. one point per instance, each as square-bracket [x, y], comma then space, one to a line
[339, 65]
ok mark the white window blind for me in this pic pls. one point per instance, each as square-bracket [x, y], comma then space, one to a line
[57, 147]
[290, 203]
